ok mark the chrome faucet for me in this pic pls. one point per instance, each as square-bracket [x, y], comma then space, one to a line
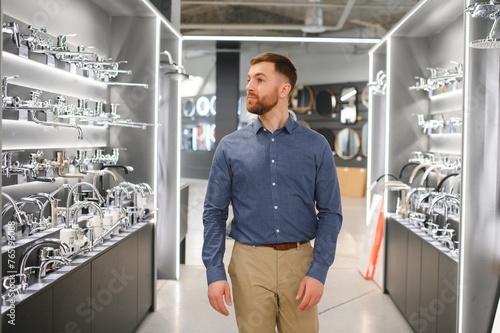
[122, 222]
[50, 257]
[27, 252]
[446, 199]
[19, 214]
[70, 195]
[54, 209]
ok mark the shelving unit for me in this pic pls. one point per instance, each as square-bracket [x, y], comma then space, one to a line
[432, 35]
[133, 31]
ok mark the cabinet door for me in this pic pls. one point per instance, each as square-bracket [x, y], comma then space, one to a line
[145, 271]
[396, 260]
[114, 288]
[429, 305]
[448, 276]
[34, 316]
[413, 280]
[127, 280]
[72, 303]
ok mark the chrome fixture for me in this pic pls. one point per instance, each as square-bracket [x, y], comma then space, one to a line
[429, 125]
[380, 84]
[24, 272]
[50, 259]
[486, 10]
[9, 101]
[29, 169]
[172, 70]
[123, 222]
[12, 28]
[60, 163]
[440, 77]
[71, 194]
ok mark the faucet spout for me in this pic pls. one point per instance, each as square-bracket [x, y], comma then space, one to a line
[21, 216]
[27, 252]
[77, 207]
[70, 194]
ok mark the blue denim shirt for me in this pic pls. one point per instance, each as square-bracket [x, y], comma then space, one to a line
[283, 188]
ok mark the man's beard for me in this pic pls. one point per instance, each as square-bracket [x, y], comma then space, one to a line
[264, 105]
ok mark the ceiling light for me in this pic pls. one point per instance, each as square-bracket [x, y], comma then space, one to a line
[280, 39]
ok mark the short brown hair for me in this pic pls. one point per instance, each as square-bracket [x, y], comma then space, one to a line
[282, 64]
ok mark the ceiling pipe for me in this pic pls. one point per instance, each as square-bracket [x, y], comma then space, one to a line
[286, 4]
[340, 24]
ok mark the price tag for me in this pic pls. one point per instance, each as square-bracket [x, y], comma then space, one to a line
[51, 60]
[72, 121]
[21, 179]
[23, 51]
[90, 74]
[23, 115]
[72, 68]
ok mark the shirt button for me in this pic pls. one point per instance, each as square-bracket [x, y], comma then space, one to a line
[274, 184]
[272, 139]
[275, 207]
[278, 231]
[272, 161]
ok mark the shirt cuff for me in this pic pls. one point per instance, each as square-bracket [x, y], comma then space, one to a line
[318, 272]
[216, 273]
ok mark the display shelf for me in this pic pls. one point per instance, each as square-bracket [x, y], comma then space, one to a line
[435, 33]
[118, 30]
[429, 36]
[35, 75]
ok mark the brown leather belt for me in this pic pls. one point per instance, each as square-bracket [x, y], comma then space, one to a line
[285, 246]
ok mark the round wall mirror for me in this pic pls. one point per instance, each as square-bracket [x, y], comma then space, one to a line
[328, 134]
[364, 140]
[203, 106]
[325, 103]
[365, 95]
[302, 99]
[189, 108]
[213, 104]
[347, 144]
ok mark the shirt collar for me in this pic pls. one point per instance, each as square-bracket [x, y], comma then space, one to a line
[289, 125]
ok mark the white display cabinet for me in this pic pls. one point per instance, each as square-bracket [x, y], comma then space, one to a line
[457, 290]
[130, 127]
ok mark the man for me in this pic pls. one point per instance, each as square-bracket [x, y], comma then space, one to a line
[281, 180]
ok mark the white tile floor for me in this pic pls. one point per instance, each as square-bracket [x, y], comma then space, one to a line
[350, 303]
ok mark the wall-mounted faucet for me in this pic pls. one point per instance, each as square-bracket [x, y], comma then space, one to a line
[56, 124]
[60, 163]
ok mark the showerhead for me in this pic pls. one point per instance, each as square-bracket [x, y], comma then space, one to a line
[177, 75]
[485, 10]
[174, 71]
[485, 43]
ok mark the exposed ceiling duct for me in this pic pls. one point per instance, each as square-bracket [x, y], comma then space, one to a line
[314, 19]
[289, 17]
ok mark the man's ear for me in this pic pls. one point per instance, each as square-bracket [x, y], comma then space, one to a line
[285, 89]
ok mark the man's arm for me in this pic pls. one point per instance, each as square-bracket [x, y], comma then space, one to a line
[328, 204]
[215, 215]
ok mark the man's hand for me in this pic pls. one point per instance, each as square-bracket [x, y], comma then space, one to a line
[218, 292]
[311, 291]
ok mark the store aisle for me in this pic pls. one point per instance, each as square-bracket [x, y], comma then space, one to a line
[350, 303]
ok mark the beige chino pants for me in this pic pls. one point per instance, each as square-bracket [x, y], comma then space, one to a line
[265, 283]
